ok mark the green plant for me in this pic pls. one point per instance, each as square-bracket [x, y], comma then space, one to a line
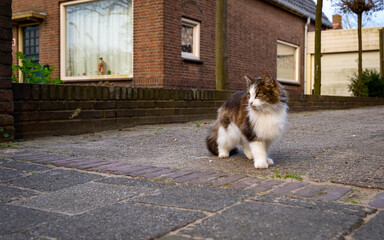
[33, 72]
[5, 135]
[293, 175]
[370, 84]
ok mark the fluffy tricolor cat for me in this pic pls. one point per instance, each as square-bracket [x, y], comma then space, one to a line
[252, 119]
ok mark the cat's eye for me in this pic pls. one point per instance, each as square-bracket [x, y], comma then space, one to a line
[258, 94]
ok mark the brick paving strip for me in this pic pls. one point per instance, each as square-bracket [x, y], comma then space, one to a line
[153, 175]
[207, 179]
[144, 171]
[378, 202]
[265, 185]
[289, 187]
[190, 177]
[310, 191]
[335, 193]
[236, 181]
[246, 182]
[227, 180]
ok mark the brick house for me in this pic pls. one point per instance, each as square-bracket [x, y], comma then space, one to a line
[137, 43]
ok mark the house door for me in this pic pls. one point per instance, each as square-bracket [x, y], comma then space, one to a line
[31, 42]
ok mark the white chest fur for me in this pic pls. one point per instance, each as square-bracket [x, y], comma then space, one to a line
[269, 125]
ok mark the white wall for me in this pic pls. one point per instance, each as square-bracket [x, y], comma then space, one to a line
[339, 60]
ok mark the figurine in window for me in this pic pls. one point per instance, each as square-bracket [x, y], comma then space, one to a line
[101, 67]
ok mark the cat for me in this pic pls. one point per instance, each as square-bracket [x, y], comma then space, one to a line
[251, 119]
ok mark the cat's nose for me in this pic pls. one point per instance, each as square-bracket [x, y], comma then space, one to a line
[250, 102]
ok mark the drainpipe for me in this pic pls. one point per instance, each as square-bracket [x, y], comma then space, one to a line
[305, 52]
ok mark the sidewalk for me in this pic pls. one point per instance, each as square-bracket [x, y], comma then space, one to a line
[87, 192]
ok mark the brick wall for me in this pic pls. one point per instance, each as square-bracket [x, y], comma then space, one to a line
[42, 110]
[188, 74]
[6, 97]
[253, 30]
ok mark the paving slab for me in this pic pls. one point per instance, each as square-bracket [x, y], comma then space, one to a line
[378, 202]
[149, 185]
[9, 194]
[7, 174]
[119, 221]
[54, 180]
[20, 236]
[373, 230]
[195, 197]
[81, 198]
[17, 218]
[261, 220]
[335, 207]
[25, 166]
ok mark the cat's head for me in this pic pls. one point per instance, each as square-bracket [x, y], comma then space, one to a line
[264, 92]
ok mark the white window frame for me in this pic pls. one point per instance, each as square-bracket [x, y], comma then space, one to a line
[195, 55]
[297, 58]
[63, 43]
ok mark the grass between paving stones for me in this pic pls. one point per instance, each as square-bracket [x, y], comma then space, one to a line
[293, 175]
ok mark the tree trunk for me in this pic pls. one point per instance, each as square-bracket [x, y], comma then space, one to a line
[318, 23]
[221, 45]
[360, 59]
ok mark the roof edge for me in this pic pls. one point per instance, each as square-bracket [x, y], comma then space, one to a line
[303, 13]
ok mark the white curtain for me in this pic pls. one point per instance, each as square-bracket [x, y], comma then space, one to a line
[99, 29]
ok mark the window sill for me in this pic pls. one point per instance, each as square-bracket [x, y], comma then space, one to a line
[290, 82]
[191, 60]
[97, 78]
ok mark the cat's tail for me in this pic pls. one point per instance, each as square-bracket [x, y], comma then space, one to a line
[211, 139]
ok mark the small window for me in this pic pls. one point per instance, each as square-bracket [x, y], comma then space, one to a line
[287, 62]
[190, 39]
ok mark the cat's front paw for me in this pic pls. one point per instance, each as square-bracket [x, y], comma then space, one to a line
[270, 161]
[261, 164]
[223, 154]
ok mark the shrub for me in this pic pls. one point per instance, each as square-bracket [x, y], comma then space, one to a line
[33, 73]
[369, 85]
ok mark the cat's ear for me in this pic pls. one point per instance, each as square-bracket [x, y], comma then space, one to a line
[249, 81]
[268, 80]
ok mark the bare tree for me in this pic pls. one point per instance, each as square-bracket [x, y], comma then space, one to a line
[359, 7]
[350, 21]
[318, 23]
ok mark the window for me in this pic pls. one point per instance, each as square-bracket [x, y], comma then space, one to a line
[190, 39]
[31, 42]
[287, 62]
[97, 39]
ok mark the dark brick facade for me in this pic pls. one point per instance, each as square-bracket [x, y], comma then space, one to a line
[254, 26]
[6, 97]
